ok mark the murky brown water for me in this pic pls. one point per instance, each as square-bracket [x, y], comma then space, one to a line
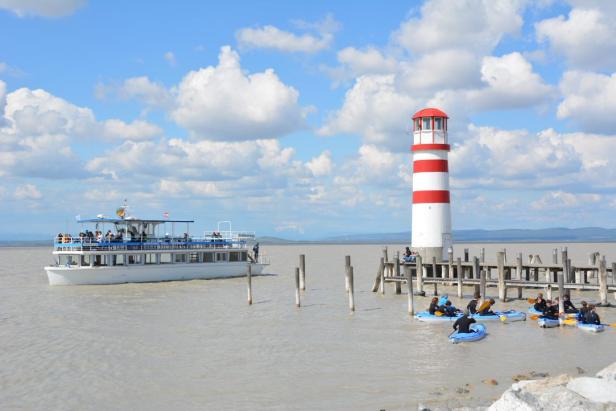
[198, 345]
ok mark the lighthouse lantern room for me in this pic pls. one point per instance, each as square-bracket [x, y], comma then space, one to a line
[431, 215]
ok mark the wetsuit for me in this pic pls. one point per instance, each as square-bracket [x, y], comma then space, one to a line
[472, 306]
[551, 312]
[434, 308]
[463, 324]
[582, 314]
[592, 318]
[540, 305]
[569, 307]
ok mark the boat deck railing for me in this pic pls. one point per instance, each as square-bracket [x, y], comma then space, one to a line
[68, 243]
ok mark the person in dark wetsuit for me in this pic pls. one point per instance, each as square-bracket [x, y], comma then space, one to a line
[582, 312]
[448, 309]
[472, 305]
[569, 307]
[434, 308]
[551, 311]
[487, 310]
[462, 324]
[540, 304]
[591, 316]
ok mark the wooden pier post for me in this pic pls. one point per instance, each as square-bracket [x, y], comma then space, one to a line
[385, 256]
[482, 259]
[297, 302]
[561, 291]
[377, 281]
[466, 255]
[347, 264]
[249, 283]
[450, 265]
[548, 292]
[459, 268]
[409, 289]
[351, 290]
[382, 273]
[502, 289]
[555, 256]
[603, 281]
[419, 273]
[477, 274]
[302, 271]
[397, 273]
[434, 275]
[482, 286]
[519, 272]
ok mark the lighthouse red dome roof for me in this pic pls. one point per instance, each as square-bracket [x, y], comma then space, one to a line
[430, 112]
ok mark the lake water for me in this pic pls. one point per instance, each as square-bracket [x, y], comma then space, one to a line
[198, 345]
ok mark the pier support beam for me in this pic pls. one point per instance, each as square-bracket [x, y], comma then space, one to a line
[351, 290]
[302, 271]
[409, 289]
[397, 273]
[500, 263]
[419, 265]
[460, 275]
[377, 281]
[347, 264]
[602, 281]
[477, 274]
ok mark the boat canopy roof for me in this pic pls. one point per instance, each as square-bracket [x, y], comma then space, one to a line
[129, 220]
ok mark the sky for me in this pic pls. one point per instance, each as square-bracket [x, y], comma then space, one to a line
[294, 119]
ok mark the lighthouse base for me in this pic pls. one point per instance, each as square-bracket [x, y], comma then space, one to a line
[427, 253]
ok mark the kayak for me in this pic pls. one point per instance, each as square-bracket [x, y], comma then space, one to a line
[532, 310]
[427, 317]
[548, 323]
[510, 315]
[593, 328]
[478, 334]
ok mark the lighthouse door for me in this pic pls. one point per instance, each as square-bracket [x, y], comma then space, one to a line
[447, 243]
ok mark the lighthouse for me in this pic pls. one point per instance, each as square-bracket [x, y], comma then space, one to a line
[431, 234]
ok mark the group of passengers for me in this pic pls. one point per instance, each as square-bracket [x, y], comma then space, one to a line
[587, 313]
[409, 256]
[444, 307]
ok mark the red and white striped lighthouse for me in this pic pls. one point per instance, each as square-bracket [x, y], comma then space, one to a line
[431, 236]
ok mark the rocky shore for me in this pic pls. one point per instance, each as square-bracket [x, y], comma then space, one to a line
[560, 393]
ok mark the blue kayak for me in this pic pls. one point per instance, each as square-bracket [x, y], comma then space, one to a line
[427, 317]
[532, 310]
[510, 315]
[593, 328]
[478, 334]
[548, 323]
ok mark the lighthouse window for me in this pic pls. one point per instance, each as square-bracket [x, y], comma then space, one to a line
[427, 123]
[438, 123]
[417, 124]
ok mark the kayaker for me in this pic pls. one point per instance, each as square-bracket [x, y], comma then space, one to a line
[591, 316]
[472, 305]
[540, 303]
[551, 311]
[485, 309]
[583, 311]
[569, 307]
[463, 324]
[449, 309]
[434, 308]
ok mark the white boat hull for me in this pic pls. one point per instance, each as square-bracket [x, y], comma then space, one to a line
[147, 273]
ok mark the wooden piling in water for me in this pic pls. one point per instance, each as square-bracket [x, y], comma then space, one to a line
[466, 255]
[409, 289]
[382, 273]
[397, 273]
[450, 265]
[434, 275]
[419, 273]
[500, 262]
[249, 283]
[477, 274]
[351, 290]
[297, 302]
[377, 281]
[347, 264]
[482, 285]
[561, 291]
[302, 271]
[459, 269]
[603, 281]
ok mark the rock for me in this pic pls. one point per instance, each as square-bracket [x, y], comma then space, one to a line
[539, 374]
[461, 390]
[580, 370]
[595, 389]
[609, 372]
[520, 377]
[490, 382]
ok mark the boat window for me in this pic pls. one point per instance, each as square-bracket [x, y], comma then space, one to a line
[234, 256]
[208, 257]
[194, 257]
[426, 123]
[243, 256]
[221, 256]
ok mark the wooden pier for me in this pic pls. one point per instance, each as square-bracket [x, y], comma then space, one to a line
[504, 276]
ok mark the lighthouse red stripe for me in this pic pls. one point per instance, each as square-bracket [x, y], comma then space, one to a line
[425, 147]
[430, 166]
[431, 196]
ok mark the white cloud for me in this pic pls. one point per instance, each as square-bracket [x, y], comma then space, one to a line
[554, 200]
[271, 37]
[223, 103]
[142, 89]
[587, 38]
[321, 165]
[137, 130]
[589, 100]
[28, 192]
[170, 58]
[356, 62]
[45, 8]
[476, 25]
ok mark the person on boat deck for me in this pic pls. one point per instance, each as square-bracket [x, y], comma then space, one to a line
[409, 256]
[255, 251]
[472, 305]
[486, 309]
[540, 303]
[449, 309]
[569, 307]
[591, 316]
[463, 324]
[551, 311]
[583, 311]
[434, 307]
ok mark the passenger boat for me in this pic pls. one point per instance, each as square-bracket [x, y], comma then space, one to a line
[134, 250]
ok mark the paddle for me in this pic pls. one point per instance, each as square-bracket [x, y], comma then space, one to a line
[532, 300]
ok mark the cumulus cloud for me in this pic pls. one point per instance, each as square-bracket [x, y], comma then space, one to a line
[554, 200]
[589, 100]
[224, 103]
[476, 25]
[271, 37]
[142, 89]
[321, 165]
[587, 37]
[44, 8]
[356, 62]
[27, 192]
